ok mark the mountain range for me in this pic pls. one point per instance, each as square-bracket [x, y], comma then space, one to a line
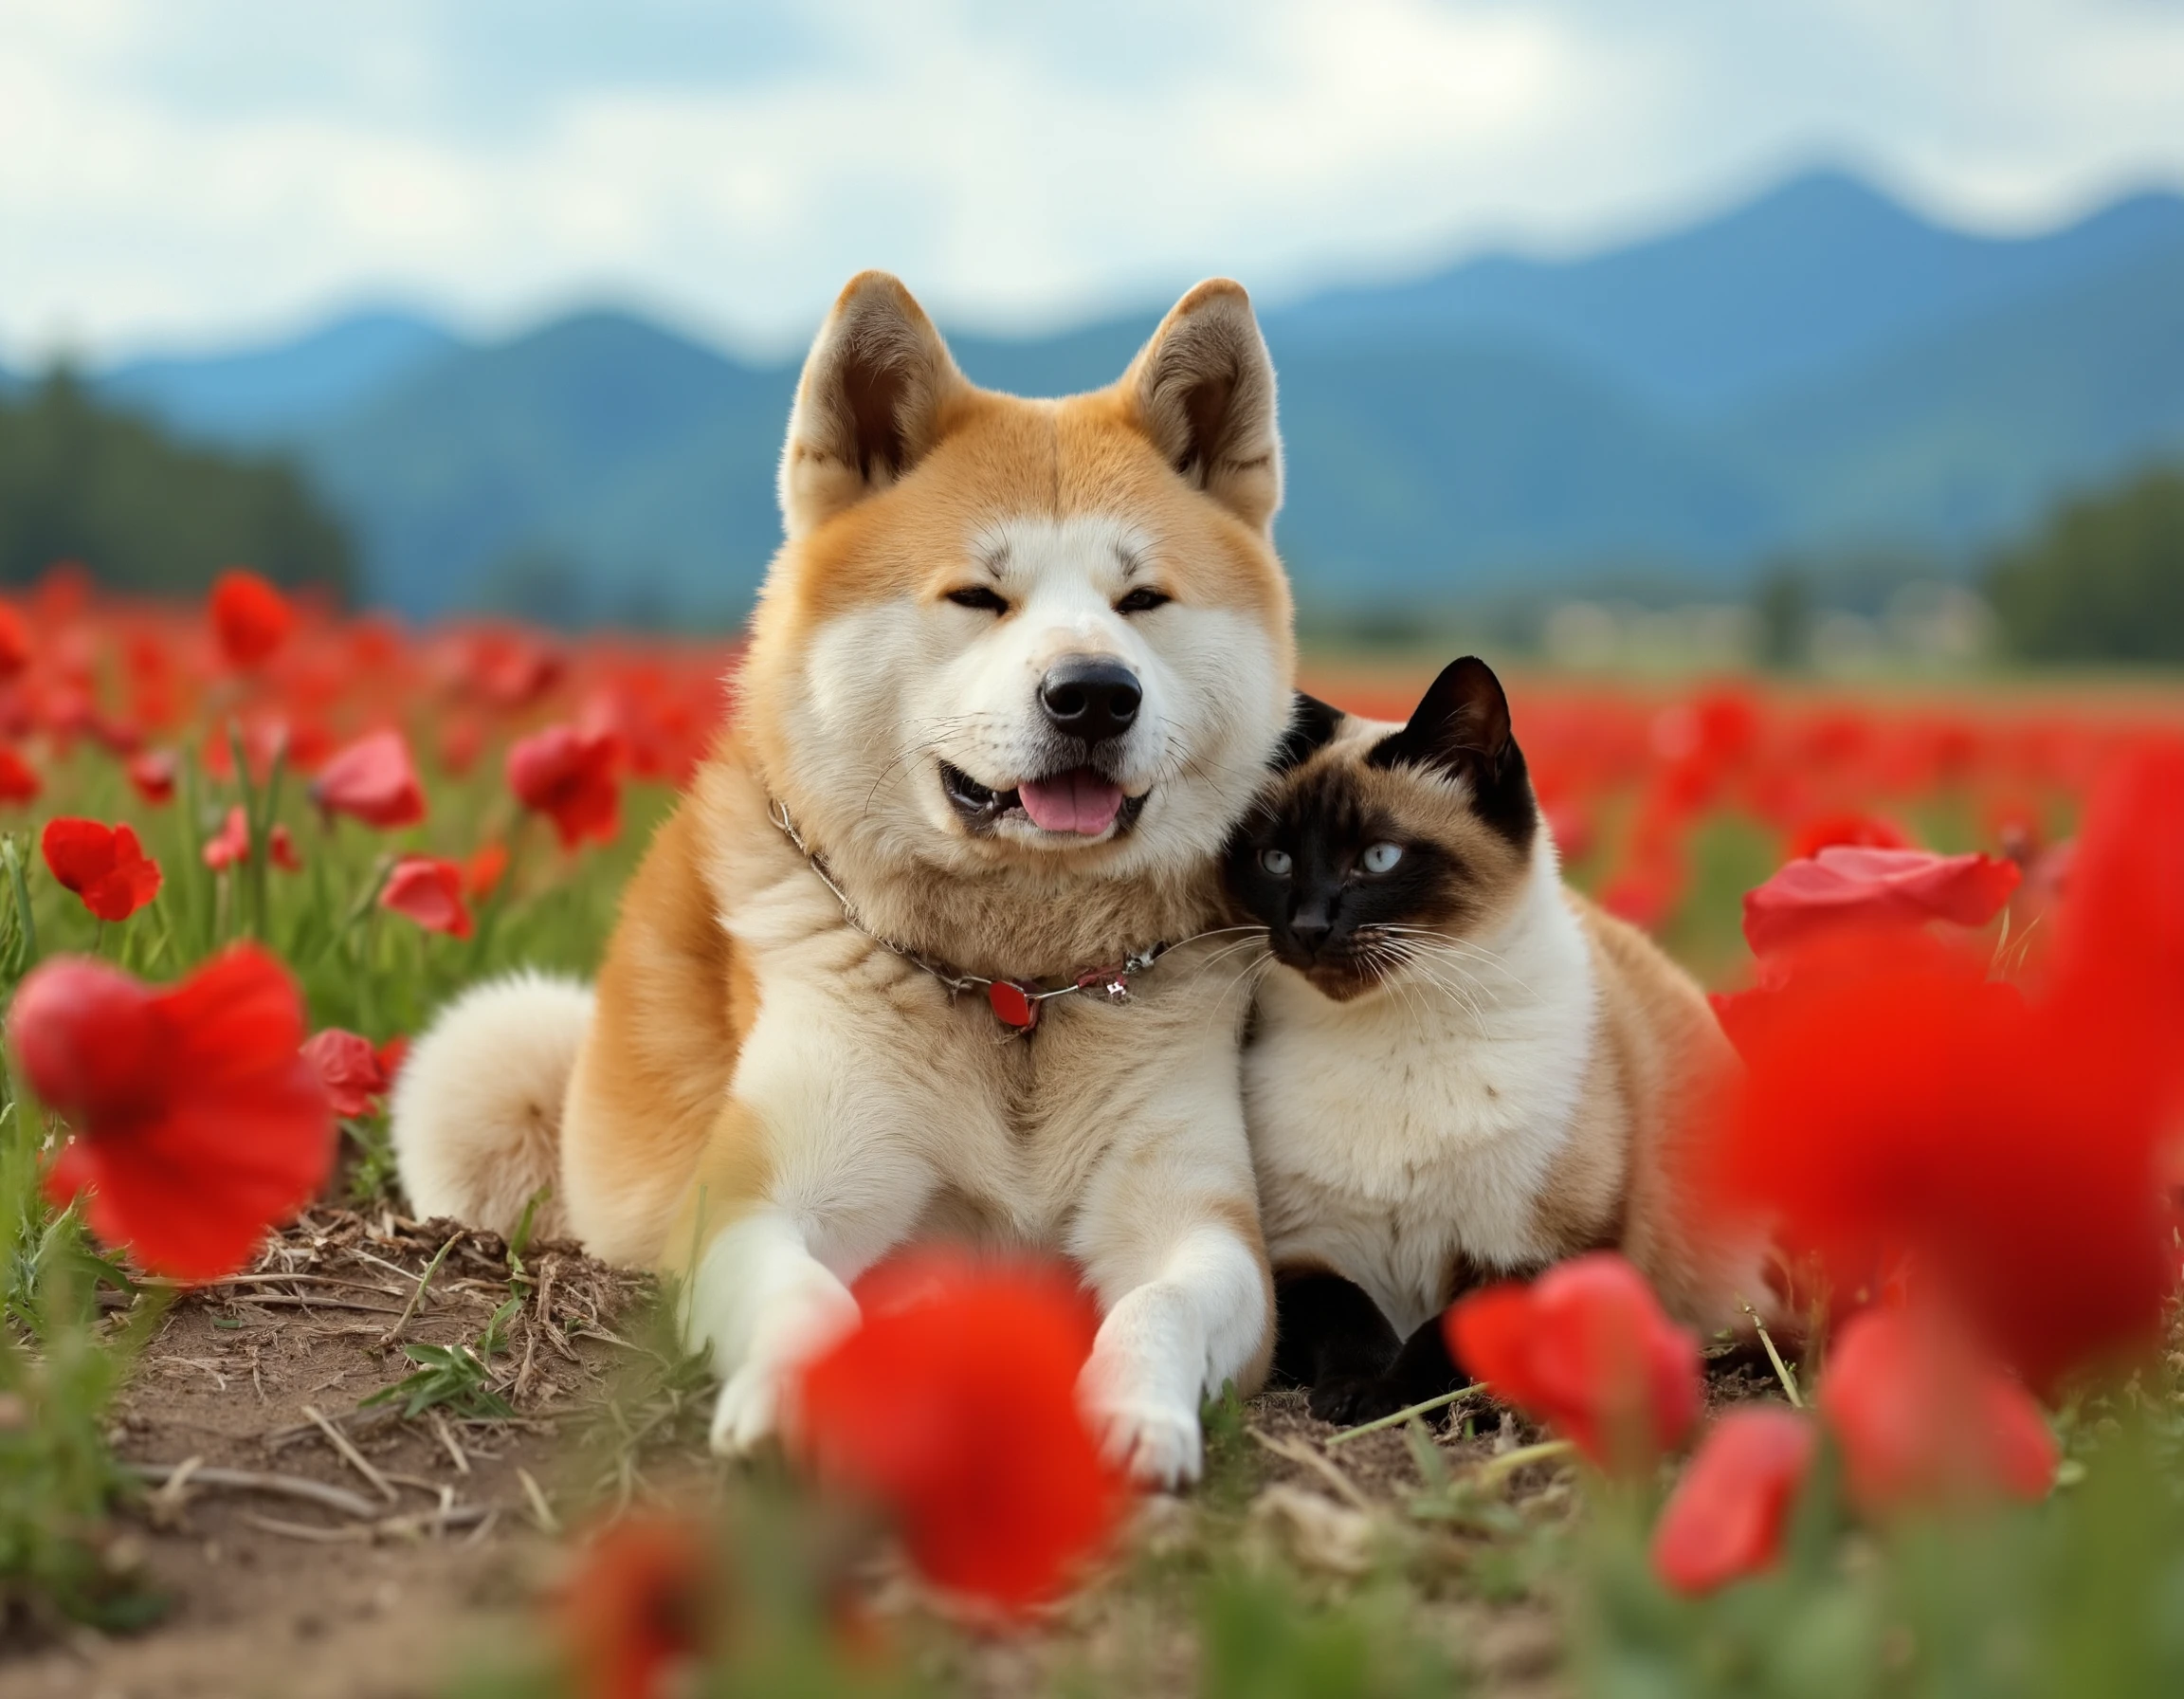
[1819, 372]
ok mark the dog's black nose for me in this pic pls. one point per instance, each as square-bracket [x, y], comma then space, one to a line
[1089, 697]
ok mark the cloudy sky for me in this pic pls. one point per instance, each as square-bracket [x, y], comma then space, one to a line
[179, 173]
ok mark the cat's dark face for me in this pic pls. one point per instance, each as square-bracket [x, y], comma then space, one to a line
[1377, 833]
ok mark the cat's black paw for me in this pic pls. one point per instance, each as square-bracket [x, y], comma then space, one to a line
[1348, 1400]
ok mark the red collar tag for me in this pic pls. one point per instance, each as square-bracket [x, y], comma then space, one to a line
[1014, 1004]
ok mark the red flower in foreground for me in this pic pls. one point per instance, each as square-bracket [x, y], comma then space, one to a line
[1922, 1418]
[1587, 1349]
[1852, 886]
[103, 864]
[152, 774]
[954, 1405]
[641, 1608]
[198, 1123]
[350, 1070]
[251, 617]
[1900, 1113]
[18, 777]
[569, 776]
[428, 891]
[1725, 1519]
[372, 780]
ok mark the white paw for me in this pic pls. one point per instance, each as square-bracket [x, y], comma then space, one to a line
[748, 1411]
[1157, 1444]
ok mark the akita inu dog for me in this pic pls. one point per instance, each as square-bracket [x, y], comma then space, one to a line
[925, 950]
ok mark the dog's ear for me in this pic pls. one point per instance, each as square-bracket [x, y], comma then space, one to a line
[868, 404]
[1204, 389]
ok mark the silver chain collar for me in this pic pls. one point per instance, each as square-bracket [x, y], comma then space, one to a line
[1016, 1002]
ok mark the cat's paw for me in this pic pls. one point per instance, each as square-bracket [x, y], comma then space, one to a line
[1348, 1400]
[748, 1410]
[1155, 1444]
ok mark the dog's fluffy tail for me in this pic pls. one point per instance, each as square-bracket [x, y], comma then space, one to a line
[477, 1111]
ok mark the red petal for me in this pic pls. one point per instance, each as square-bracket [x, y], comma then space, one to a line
[1846, 886]
[1725, 1518]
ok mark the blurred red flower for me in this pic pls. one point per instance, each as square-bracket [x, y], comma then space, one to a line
[430, 891]
[954, 1405]
[152, 774]
[569, 776]
[230, 846]
[350, 1070]
[392, 1055]
[105, 866]
[18, 778]
[198, 1121]
[1587, 1349]
[251, 617]
[1912, 1113]
[1725, 1519]
[1852, 886]
[14, 641]
[483, 871]
[641, 1608]
[1869, 831]
[372, 780]
[1922, 1418]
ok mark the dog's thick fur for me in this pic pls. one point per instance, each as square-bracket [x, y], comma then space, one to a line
[766, 1101]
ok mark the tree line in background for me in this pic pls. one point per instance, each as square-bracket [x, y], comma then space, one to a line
[147, 512]
[2100, 579]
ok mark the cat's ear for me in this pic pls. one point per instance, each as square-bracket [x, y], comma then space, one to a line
[1312, 725]
[1461, 723]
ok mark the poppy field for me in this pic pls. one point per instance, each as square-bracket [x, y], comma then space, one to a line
[261, 1432]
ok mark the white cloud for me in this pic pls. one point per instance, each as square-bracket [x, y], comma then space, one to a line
[195, 168]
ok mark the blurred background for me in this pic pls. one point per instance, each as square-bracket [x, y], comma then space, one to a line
[1839, 335]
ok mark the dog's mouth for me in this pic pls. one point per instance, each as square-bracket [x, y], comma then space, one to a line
[1075, 802]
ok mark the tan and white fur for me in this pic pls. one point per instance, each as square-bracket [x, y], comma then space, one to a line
[1459, 1068]
[766, 1101]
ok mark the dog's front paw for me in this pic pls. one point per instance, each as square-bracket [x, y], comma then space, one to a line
[1155, 1444]
[748, 1411]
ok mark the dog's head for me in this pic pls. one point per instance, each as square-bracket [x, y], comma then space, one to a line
[1009, 631]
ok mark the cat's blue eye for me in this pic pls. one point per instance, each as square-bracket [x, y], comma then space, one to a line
[1379, 858]
[1276, 862]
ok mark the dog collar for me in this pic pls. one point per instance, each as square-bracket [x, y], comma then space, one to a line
[1016, 1002]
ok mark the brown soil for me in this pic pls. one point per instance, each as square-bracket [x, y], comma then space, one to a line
[273, 1593]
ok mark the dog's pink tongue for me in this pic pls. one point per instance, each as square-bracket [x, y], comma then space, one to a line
[1078, 800]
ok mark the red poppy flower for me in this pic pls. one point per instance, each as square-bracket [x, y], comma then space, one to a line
[103, 864]
[642, 1609]
[372, 780]
[1725, 1519]
[391, 1056]
[1922, 1418]
[198, 1123]
[483, 871]
[152, 774]
[568, 776]
[1849, 885]
[954, 1404]
[349, 1068]
[1899, 1110]
[14, 641]
[18, 778]
[428, 891]
[230, 846]
[1866, 832]
[251, 617]
[1587, 1349]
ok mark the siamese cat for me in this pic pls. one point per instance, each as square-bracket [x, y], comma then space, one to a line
[1459, 1068]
